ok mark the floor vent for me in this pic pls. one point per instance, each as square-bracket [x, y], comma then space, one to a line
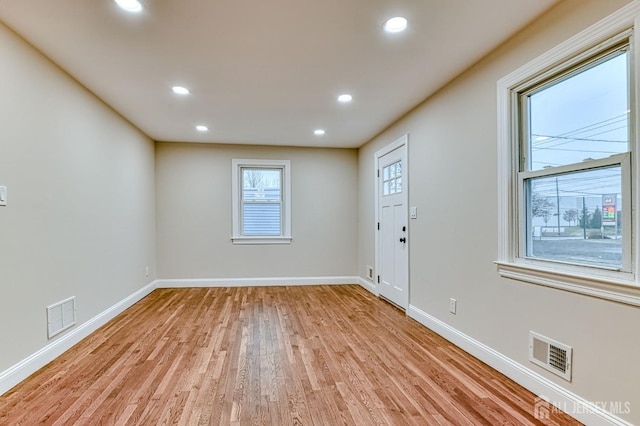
[61, 316]
[551, 355]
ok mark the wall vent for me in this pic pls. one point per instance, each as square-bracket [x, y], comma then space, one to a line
[61, 316]
[550, 355]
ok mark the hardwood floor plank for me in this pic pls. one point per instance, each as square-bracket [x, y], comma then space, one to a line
[314, 355]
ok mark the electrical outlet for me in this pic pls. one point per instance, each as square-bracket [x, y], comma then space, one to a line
[146, 271]
[370, 272]
[3, 195]
[452, 305]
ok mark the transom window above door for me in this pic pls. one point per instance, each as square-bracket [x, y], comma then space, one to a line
[392, 178]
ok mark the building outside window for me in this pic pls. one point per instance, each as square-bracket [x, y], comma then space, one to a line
[261, 201]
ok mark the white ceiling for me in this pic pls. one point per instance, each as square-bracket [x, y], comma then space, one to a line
[266, 71]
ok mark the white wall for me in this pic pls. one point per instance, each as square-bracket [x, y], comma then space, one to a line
[194, 214]
[81, 214]
[452, 161]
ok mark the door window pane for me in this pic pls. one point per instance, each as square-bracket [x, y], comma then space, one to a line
[392, 178]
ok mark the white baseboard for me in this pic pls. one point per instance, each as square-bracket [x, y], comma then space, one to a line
[548, 392]
[17, 373]
[368, 285]
[254, 282]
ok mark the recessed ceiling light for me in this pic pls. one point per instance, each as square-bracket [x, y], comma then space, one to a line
[130, 5]
[345, 98]
[318, 132]
[396, 24]
[202, 128]
[179, 90]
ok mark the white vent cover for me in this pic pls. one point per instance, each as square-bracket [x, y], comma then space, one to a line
[61, 316]
[551, 355]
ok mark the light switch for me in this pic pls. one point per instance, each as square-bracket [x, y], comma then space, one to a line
[3, 195]
[413, 213]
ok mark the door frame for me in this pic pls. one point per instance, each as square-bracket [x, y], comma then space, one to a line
[402, 141]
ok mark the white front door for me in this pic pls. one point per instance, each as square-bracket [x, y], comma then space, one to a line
[392, 216]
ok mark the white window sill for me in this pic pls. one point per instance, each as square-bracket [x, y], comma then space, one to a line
[261, 240]
[625, 291]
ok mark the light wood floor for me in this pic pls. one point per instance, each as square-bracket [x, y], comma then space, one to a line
[322, 355]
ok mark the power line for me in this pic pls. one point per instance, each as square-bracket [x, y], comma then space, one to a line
[581, 139]
[591, 127]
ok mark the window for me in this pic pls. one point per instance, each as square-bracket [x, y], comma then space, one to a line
[574, 144]
[261, 201]
[392, 178]
[566, 129]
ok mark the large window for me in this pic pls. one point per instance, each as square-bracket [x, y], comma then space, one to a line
[574, 145]
[566, 146]
[261, 201]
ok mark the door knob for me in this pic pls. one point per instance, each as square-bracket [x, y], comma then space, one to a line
[403, 240]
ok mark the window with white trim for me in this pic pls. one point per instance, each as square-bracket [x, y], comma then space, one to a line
[566, 129]
[261, 201]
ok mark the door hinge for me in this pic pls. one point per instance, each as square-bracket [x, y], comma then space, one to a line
[378, 279]
[378, 172]
[378, 226]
